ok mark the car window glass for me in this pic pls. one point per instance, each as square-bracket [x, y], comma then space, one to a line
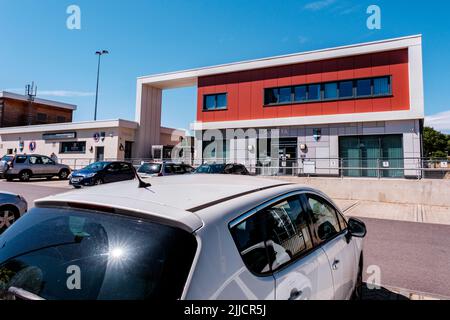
[21, 159]
[288, 231]
[150, 168]
[125, 167]
[117, 257]
[273, 236]
[46, 160]
[229, 169]
[250, 236]
[113, 167]
[168, 168]
[325, 221]
[35, 160]
[178, 169]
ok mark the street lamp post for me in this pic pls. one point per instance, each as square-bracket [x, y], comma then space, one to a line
[99, 53]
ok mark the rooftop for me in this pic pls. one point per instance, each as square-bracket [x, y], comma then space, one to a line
[57, 127]
[52, 103]
[190, 77]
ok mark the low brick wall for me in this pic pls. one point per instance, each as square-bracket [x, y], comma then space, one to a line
[425, 192]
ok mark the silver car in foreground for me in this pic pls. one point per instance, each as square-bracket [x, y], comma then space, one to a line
[12, 207]
[25, 167]
[184, 237]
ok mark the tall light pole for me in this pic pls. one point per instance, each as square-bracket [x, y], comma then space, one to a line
[99, 53]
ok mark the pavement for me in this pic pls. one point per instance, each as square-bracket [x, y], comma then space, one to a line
[410, 255]
[394, 211]
[35, 189]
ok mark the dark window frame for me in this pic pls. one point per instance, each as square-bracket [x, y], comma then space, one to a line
[61, 150]
[215, 95]
[322, 98]
[41, 117]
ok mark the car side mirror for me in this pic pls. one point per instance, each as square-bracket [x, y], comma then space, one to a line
[357, 228]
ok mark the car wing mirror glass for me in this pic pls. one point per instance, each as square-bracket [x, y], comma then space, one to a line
[357, 228]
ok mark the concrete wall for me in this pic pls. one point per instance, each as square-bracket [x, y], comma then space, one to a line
[148, 115]
[426, 192]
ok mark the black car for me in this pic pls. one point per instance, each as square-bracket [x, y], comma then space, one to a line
[159, 169]
[230, 168]
[102, 172]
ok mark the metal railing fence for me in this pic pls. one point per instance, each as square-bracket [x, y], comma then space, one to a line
[338, 167]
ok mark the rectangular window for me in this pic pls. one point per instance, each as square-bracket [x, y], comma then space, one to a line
[381, 86]
[41, 117]
[284, 95]
[278, 95]
[300, 93]
[314, 92]
[73, 147]
[346, 89]
[271, 96]
[60, 119]
[330, 90]
[364, 87]
[215, 101]
[326, 91]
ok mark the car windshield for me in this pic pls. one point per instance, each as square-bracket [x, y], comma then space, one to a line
[74, 254]
[96, 166]
[210, 168]
[150, 168]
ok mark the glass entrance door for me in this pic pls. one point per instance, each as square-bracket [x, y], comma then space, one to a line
[372, 156]
[99, 153]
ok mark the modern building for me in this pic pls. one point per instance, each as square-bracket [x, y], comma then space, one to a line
[18, 110]
[80, 143]
[344, 110]
[74, 143]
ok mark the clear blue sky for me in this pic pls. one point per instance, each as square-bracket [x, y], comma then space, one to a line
[147, 37]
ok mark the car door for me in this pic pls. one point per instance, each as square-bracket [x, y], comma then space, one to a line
[126, 171]
[168, 169]
[36, 165]
[112, 172]
[301, 271]
[329, 234]
[48, 166]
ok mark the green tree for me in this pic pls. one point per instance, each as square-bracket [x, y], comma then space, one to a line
[435, 143]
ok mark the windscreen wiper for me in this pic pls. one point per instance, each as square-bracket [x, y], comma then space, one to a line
[15, 293]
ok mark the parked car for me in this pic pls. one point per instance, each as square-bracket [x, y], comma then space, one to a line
[24, 167]
[102, 172]
[12, 207]
[159, 169]
[5, 162]
[230, 168]
[185, 237]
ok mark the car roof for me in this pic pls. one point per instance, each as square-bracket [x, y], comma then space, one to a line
[177, 199]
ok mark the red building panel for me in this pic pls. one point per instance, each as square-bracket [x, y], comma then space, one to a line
[246, 89]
